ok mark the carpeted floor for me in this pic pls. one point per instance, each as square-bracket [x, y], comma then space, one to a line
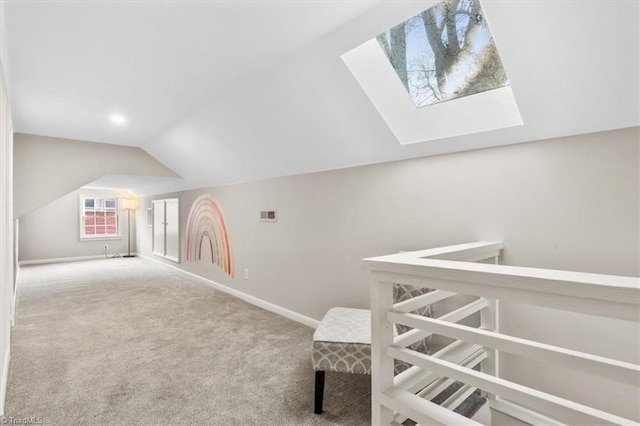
[129, 341]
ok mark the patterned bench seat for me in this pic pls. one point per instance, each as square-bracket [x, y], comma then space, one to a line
[342, 341]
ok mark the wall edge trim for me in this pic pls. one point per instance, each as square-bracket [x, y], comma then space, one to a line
[271, 307]
[61, 260]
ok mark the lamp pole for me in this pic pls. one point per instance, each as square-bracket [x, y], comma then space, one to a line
[129, 233]
[129, 205]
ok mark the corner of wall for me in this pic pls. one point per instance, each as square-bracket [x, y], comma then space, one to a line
[7, 255]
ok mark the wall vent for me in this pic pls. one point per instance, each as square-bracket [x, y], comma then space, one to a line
[268, 216]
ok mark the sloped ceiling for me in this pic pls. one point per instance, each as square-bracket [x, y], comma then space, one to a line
[46, 169]
[225, 92]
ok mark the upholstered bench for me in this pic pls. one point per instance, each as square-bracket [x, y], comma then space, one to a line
[342, 341]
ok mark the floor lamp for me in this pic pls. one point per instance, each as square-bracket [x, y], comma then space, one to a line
[129, 204]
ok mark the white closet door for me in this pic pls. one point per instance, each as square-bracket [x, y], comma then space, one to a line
[172, 226]
[158, 228]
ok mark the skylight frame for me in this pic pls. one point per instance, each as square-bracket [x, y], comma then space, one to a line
[482, 112]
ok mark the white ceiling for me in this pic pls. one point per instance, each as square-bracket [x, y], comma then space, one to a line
[231, 91]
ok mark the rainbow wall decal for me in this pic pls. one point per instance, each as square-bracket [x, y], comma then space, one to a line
[206, 225]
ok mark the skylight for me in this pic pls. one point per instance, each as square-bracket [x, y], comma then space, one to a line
[401, 71]
[445, 52]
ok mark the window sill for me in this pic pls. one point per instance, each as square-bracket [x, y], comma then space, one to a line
[119, 237]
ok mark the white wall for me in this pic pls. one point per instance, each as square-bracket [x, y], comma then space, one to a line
[6, 219]
[48, 168]
[4, 52]
[53, 231]
[570, 203]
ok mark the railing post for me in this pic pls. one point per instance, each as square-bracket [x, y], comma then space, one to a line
[381, 339]
[489, 320]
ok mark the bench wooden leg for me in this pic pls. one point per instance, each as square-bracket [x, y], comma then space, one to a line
[319, 392]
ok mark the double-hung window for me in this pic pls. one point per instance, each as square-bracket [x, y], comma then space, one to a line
[98, 217]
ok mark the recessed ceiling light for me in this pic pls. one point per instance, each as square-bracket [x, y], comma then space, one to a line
[118, 119]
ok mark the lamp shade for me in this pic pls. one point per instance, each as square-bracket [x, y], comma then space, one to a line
[129, 203]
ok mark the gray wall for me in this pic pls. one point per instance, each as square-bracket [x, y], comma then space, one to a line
[569, 203]
[48, 168]
[53, 231]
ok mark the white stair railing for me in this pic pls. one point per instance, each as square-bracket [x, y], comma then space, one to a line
[450, 271]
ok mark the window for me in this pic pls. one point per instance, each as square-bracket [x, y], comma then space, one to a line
[444, 53]
[98, 217]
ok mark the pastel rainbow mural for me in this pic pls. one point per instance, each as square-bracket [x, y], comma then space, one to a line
[206, 225]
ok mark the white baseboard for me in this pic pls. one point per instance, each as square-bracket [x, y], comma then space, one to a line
[295, 316]
[61, 260]
[5, 378]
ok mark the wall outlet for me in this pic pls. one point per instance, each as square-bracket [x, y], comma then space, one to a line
[246, 274]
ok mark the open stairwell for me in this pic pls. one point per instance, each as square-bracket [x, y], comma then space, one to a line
[476, 354]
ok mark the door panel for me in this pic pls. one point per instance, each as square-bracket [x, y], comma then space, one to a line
[172, 225]
[166, 229]
[158, 228]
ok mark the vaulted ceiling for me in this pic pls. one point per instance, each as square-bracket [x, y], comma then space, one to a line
[234, 91]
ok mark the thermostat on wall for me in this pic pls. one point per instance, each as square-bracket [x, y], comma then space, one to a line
[268, 216]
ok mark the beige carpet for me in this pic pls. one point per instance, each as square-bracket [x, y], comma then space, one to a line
[122, 341]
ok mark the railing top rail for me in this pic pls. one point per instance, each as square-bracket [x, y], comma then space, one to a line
[455, 252]
[422, 264]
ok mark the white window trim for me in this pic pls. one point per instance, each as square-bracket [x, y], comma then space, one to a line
[81, 234]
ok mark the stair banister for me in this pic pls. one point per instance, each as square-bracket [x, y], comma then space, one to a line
[451, 270]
